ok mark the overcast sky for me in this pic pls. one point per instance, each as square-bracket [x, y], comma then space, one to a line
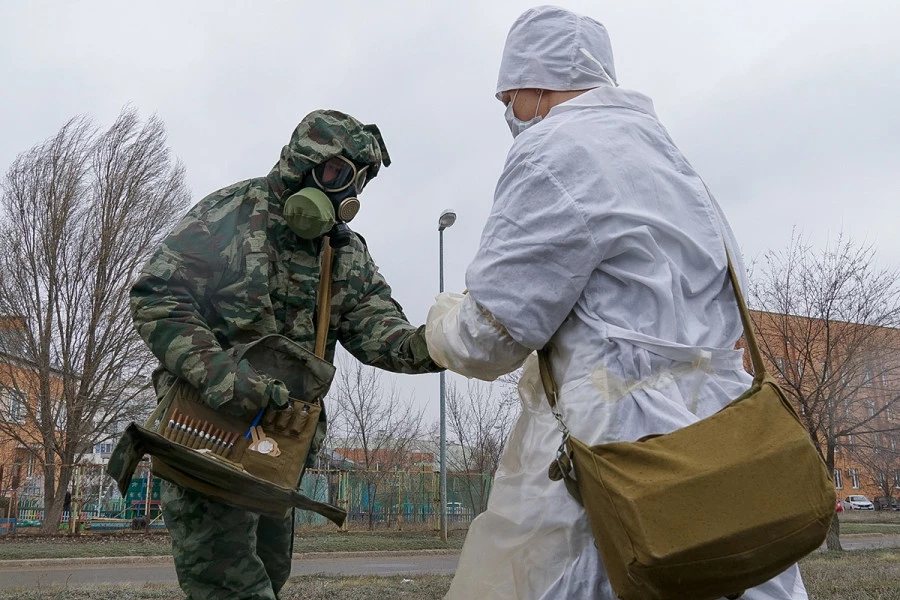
[786, 108]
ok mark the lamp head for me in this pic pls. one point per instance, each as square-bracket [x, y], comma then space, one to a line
[447, 218]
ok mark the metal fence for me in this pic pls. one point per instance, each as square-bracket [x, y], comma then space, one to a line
[372, 499]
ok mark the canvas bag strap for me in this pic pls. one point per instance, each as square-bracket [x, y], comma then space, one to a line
[158, 412]
[759, 367]
[550, 389]
[323, 310]
[561, 467]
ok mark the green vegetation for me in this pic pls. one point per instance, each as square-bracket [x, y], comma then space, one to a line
[139, 544]
[376, 541]
[886, 528]
[869, 516]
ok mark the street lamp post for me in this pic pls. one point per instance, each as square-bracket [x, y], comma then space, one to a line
[447, 218]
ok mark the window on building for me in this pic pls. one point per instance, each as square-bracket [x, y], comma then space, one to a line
[13, 404]
[12, 341]
[897, 479]
[779, 362]
[104, 448]
[800, 368]
[838, 480]
[882, 479]
[867, 375]
[845, 376]
[854, 478]
[62, 416]
[870, 406]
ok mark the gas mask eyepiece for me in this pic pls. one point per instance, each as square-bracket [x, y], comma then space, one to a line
[339, 174]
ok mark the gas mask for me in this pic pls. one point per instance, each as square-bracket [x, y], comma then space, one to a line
[327, 201]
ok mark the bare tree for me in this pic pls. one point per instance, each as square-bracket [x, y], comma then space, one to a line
[80, 214]
[479, 418]
[828, 328]
[372, 427]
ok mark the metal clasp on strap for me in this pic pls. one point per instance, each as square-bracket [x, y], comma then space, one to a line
[560, 424]
[561, 467]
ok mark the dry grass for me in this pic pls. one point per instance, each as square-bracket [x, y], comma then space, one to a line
[313, 587]
[857, 575]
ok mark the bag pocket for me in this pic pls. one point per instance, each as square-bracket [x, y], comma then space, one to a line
[190, 422]
[289, 431]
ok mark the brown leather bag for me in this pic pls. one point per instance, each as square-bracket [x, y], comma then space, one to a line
[689, 515]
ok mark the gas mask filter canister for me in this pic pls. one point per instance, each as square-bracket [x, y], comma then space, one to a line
[336, 182]
[309, 213]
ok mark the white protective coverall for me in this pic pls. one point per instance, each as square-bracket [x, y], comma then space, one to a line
[604, 244]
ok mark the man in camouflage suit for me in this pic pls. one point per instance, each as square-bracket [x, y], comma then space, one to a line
[231, 272]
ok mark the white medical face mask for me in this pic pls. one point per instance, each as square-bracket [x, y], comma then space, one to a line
[516, 125]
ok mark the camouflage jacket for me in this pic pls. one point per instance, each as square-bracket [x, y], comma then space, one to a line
[232, 271]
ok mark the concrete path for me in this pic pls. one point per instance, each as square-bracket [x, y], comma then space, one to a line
[77, 573]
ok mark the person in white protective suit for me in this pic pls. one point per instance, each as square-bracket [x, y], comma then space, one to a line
[604, 245]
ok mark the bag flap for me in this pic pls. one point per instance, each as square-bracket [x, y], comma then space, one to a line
[125, 458]
[306, 376]
[210, 470]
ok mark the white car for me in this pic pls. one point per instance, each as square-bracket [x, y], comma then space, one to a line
[858, 502]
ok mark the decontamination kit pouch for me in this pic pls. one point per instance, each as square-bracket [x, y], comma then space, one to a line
[254, 463]
[689, 515]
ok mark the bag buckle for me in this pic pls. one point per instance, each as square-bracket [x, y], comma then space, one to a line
[562, 465]
[560, 425]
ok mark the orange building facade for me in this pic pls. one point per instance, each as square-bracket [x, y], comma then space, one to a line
[20, 440]
[844, 381]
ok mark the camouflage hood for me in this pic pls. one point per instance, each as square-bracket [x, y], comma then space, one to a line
[326, 133]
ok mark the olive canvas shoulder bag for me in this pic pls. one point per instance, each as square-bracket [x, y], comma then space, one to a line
[688, 515]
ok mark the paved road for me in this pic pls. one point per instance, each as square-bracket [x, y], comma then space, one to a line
[77, 573]
[82, 573]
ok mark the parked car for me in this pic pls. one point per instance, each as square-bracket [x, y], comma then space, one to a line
[858, 502]
[881, 503]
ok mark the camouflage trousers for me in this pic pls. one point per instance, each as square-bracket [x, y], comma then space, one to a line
[225, 553]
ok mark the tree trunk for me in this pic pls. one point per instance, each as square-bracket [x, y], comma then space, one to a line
[833, 540]
[53, 510]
